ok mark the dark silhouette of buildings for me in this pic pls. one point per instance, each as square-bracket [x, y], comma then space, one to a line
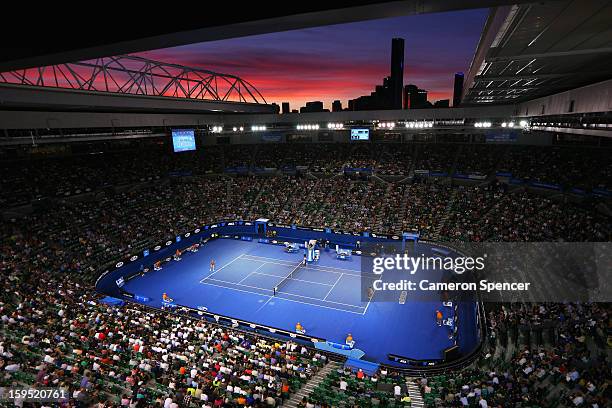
[457, 89]
[286, 107]
[442, 103]
[408, 89]
[415, 98]
[397, 72]
[379, 99]
[315, 106]
[389, 94]
[336, 106]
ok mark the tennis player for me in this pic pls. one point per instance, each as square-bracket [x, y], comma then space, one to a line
[212, 265]
[439, 317]
[299, 328]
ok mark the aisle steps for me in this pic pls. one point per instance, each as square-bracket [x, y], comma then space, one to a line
[309, 387]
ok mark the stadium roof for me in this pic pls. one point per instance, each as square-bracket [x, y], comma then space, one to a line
[532, 50]
[58, 37]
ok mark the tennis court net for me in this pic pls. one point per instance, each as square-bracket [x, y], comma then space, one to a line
[287, 279]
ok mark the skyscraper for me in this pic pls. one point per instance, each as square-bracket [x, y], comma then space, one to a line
[389, 94]
[286, 107]
[457, 89]
[415, 97]
[397, 72]
[336, 106]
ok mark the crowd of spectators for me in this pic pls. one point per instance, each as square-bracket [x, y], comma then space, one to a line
[544, 355]
[478, 160]
[30, 177]
[55, 331]
[569, 167]
[436, 157]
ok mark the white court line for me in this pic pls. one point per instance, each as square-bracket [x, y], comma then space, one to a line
[368, 304]
[285, 293]
[217, 270]
[240, 284]
[298, 280]
[312, 266]
[255, 271]
[322, 268]
[288, 300]
[265, 303]
[317, 268]
[332, 288]
[366, 308]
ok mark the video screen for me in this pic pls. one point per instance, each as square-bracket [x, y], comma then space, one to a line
[183, 140]
[360, 134]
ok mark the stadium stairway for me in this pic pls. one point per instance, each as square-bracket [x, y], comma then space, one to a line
[453, 167]
[444, 219]
[416, 398]
[379, 179]
[308, 388]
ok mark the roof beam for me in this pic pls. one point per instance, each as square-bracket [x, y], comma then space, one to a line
[488, 78]
[518, 88]
[557, 54]
[91, 38]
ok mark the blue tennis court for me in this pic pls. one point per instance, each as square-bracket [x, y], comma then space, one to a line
[325, 297]
[323, 286]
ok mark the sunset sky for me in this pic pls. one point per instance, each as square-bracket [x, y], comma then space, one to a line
[342, 61]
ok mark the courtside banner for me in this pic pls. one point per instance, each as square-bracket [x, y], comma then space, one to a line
[490, 272]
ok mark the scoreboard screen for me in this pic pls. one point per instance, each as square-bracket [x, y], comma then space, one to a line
[183, 140]
[360, 134]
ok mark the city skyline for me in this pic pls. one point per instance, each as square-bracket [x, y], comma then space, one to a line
[342, 62]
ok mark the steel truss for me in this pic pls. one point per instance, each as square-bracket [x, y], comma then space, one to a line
[131, 75]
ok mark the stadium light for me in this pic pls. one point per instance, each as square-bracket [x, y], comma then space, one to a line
[217, 129]
[523, 123]
[234, 128]
[258, 128]
[504, 124]
[511, 124]
[307, 127]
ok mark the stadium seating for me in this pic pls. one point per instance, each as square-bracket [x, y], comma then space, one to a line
[56, 331]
